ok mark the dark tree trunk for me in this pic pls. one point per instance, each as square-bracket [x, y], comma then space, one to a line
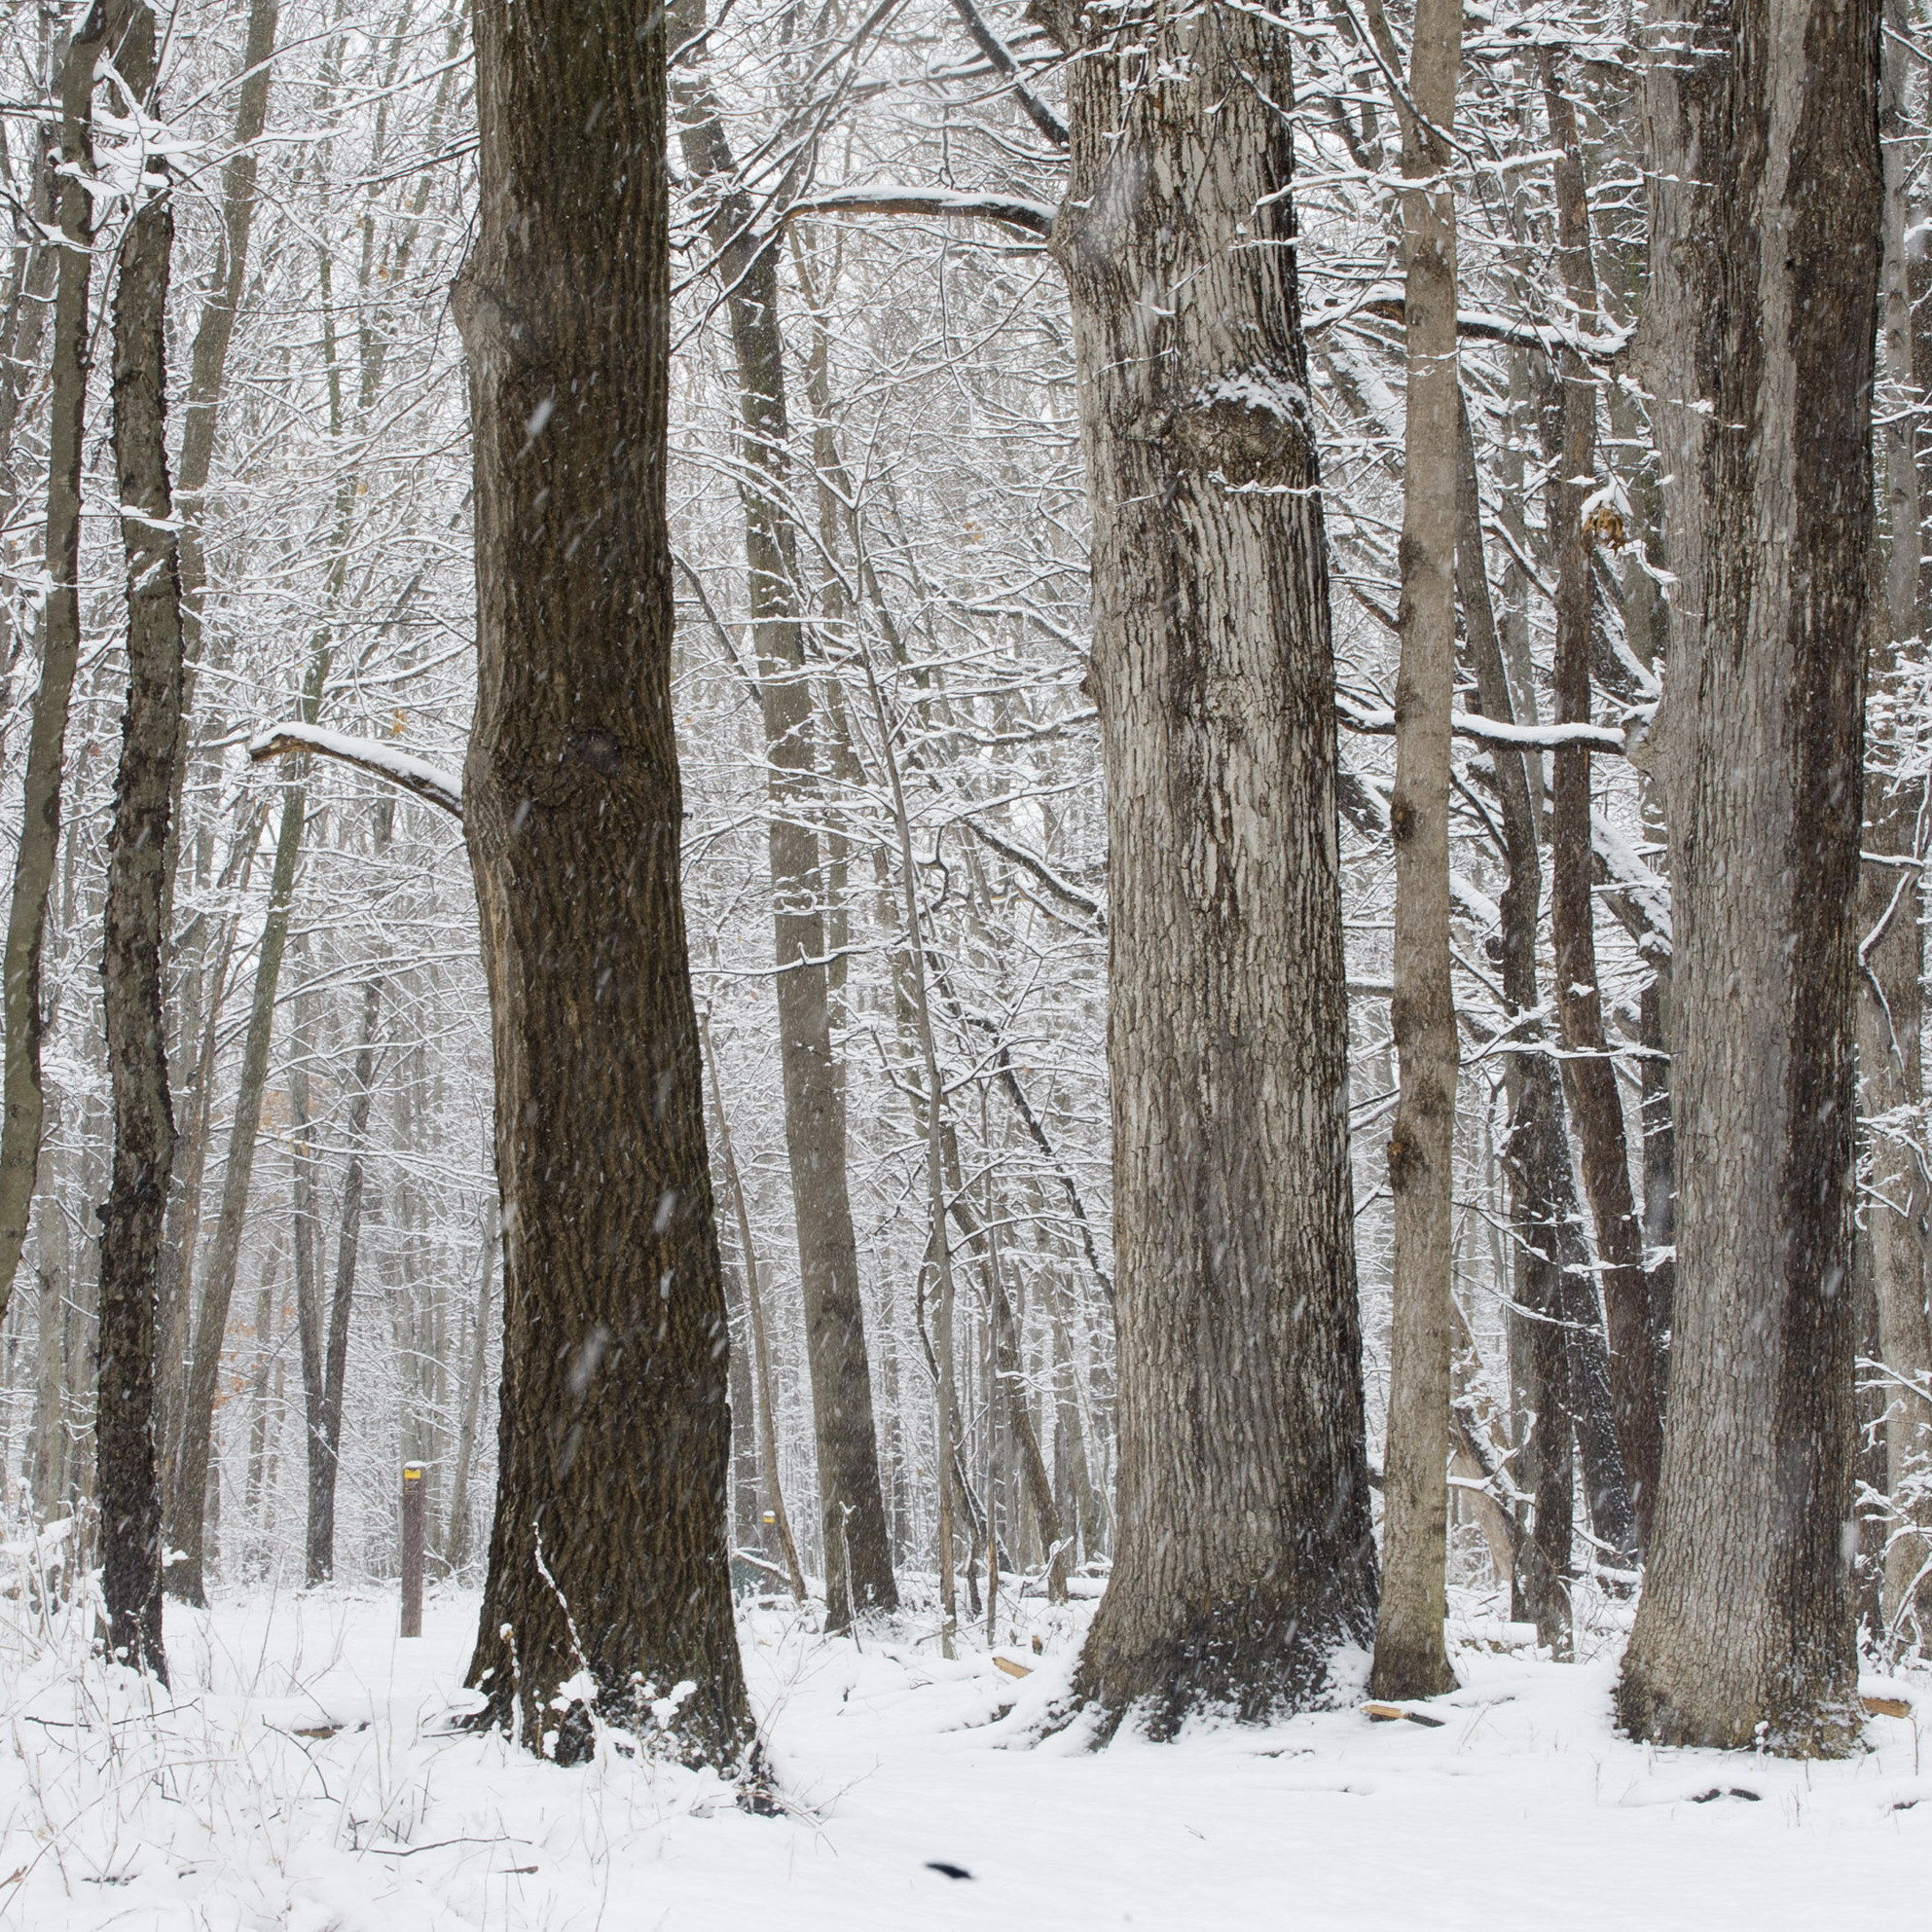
[1589, 1078]
[851, 1503]
[608, 1560]
[1764, 240]
[132, 1223]
[1244, 1554]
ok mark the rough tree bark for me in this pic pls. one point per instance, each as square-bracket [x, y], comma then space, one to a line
[132, 1223]
[851, 1503]
[1764, 240]
[1589, 1078]
[608, 1561]
[1244, 1554]
[1891, 943]
[38, 847]
[1411, 1659]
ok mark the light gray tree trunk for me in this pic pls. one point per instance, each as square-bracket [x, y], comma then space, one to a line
[1767, 201]
[1410, 1656]
[1244, 1554]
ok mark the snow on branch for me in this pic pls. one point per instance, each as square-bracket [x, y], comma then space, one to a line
[1476, 325]
[1379, 722]
[1034, 217]
[428, 781]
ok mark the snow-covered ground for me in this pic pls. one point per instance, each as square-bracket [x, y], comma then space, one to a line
[300, 1777]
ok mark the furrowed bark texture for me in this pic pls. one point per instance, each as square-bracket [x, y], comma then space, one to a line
[608, 1560]
[132, 1223]
[858, 1544]
[1764, 293]
[1411, 1659]
[1892, 950]
[1589, 1078]
[60, 630]
[1244, 1553]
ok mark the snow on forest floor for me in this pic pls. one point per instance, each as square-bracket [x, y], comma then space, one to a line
[299, 1777]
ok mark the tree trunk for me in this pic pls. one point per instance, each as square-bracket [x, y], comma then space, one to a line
[1765, 123]
[1245, 1556]
[132, 1223]
[608, 1562]
[1410, 1656]
[851, 1503]
[1589, 1078]
[38, 847]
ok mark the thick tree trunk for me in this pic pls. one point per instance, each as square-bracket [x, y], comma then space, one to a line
[1891, 946]
[132, 1223]
[38, 847]
[851, 1504]
[608, 1564]
[1243, 1555]
[1589, 1078]
[1410, 1656]
[1767, 192]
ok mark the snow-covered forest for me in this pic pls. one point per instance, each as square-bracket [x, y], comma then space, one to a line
[1004, 925]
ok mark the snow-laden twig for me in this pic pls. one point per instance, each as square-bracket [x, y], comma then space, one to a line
[428, 781]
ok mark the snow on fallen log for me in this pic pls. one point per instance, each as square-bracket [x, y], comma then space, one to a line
[428, 781]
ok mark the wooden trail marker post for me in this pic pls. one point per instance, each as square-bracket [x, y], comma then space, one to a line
[411, 1550]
